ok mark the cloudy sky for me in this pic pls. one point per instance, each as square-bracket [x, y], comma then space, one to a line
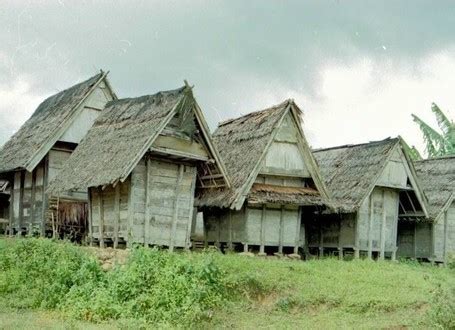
[358, 69]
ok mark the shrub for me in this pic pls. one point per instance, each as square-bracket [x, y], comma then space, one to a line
[442, 312]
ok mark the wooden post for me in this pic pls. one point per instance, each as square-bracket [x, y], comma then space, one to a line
[340, 247]
[192, 217]
[32, 199]
[116, 214]
[129, 240]
[21, 202]
[383, 228]
[321, 241]
[11, 209]
[45, 203]
[415, 241]
[101, 214]
[90, 220]
[262, 246]
[148, 167]
[297, 232]
[230, 231]
[446, 233]
[357, 238]
[176, 208]
[280, 246]
[370, 229]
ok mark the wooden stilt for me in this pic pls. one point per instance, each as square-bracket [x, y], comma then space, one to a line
[101, 214]
[383, 228]
[262, 246]
[280, 246]
[116, 214]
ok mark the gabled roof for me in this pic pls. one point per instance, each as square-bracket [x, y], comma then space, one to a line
[38, 134]
[121, 136]
[437, 177]
[351, 171]
[243, 143]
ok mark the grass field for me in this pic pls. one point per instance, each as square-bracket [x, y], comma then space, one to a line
[68, 288]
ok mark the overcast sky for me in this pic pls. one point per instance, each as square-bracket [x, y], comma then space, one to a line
[358, 69]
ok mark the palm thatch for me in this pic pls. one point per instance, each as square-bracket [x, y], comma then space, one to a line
[121, 136]
[20, 150]
[350, 171]
[266, 193]
[437, 177]
[116, 140]
[242, 143]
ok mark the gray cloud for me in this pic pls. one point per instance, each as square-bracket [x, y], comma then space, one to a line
[240, 55]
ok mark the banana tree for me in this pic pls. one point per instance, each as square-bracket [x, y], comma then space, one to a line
[438, 143]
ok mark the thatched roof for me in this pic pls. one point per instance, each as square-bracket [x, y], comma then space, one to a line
[242, 144]
[43, 126]
[120, 137]
[437, 178]
[266, 193]
[350, 171]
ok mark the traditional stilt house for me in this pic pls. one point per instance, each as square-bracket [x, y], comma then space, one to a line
[142, 162]
[433, 241]
[37, 151]
[275, 183]
[374, 185]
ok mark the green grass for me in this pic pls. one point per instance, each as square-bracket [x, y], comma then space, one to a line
[56, 285]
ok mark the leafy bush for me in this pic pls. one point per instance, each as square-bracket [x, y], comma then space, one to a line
[154, 286]
[39, 273]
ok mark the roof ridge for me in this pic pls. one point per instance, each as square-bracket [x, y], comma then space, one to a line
[345, 146]
[251, 114]
[435, 158]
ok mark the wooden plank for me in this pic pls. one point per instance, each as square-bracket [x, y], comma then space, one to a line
[101, 215]
[262, 246]
[32, 199]
[192, 215]
[446, 234]
[176, 207]
[383, 227]
[21, 202]
[90, 220]
[280, 244]
[148, 174]
[370, 226]
[11, 210]
[116, 214]
[357, 236]
[45, 204]
[297, 232]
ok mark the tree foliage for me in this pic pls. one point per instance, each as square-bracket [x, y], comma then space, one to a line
[438, 143]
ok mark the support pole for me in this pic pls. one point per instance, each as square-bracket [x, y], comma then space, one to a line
[101, 214]
[176, 208]
[370, 228]
[116, 214]
[280, 246]
[383, 227]
[262, 247]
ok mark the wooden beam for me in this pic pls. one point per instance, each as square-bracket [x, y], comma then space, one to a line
[262, 246]
[45, 203]
[116, 215]
[179, 154]
[383, 227]
[370, 225]
[90, 220]
[32, 198]
[192, 215]
[148, 175]
[176, 208]
[213, 176]
[130, 221]
[410, 201]
[11, 209]
[357, 236]
[101, 214]
[280, 245]
[21, 201]
[297, 230]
